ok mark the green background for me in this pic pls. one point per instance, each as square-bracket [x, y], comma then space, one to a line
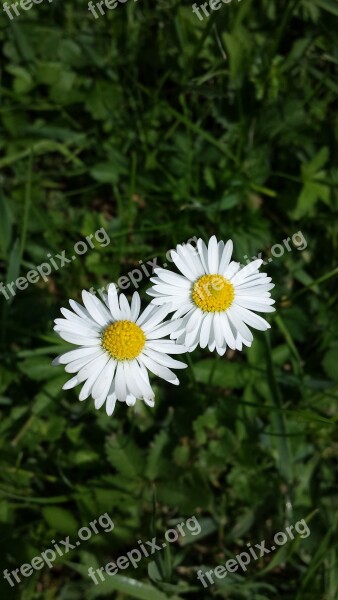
[159, 127]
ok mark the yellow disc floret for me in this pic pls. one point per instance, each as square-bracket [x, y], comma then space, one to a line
[123, 340]
[213, 293]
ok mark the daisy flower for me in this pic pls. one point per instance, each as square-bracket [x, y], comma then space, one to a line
[117, 347]
[215, 296]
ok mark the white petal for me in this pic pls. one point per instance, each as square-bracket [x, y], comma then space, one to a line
[133, 378]
[146, 314]
[157, 369]
[252, 280]
[220, 252]
[220, 351]
[114, 302]
[79, 340]
[154, 293]
[93, 368]
[110, 404]
[130, 400]
[194, 320]
[241, 340]
[73, 318]
[171, 278]
[96, 308]
[161, 300]
[140, 372]
[68, 326]
[168, 289]
[231, 270]
[104, 298]
[120, 383]
[180, 338]
[192, 259]
[63, 359]
[124, 308]
[99, 401]
[218, 331]
[163, 330]
[70, 383]
[185, 309]
[103, 382]
[226, 257]
[135, 306]
[203, 254]
[205, 330]
[76, 365]
[227, 332]
[167, 346]
[191, 339]
[233, 316]
[173, 302]
[81, 311]
[256, 306]
[250, 269]
[255, 299]
[191, 333]
[164, 359]
[253, 320]
[254, 291]
[250, 285]
[87, 387]
[213, 255]
[157, 316]
[150, 402]
[188, 271]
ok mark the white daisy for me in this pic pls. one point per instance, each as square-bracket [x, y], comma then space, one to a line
[217, 298]
[118, 346]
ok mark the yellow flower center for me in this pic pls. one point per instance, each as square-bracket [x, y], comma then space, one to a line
[213, 293]
[124, 340]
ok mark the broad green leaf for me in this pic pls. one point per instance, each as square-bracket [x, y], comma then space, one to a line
[123, 453]
[222, 373]
[312, 191]
[39, 368]
[330, 363]
[154, 463]
[133, 588]
[329, 5]
[5, 224]
[61, 520]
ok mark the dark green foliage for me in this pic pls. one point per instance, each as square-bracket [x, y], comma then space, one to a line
[158, 127]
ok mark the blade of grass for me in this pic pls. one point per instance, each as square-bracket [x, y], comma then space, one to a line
[294, 352]
[204, 134]
[28, 194]
[284, 454]
[325, 277]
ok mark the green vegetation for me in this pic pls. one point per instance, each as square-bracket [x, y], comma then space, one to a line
[158, 127]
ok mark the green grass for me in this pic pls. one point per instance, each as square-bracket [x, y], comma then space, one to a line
[159, 127]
